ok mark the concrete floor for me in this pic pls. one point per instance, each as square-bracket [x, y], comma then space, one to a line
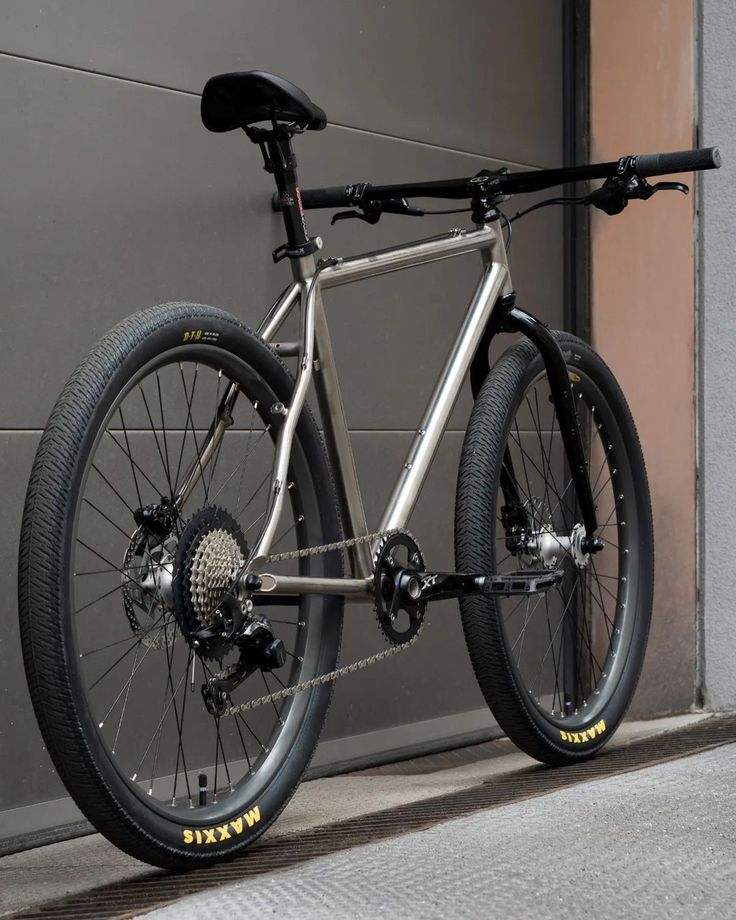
[660, 842]
[51, 872]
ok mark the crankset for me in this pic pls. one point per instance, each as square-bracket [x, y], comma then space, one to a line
[435, 586]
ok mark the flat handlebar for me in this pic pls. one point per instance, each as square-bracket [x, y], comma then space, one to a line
[647, 164]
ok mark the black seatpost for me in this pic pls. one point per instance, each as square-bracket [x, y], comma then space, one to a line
[280, 161]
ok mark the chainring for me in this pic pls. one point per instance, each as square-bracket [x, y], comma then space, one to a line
[398, 619]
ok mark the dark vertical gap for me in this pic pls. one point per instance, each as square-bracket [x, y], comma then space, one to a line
[576, 262]
[576, 150]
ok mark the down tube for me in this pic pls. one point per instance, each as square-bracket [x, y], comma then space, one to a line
[443, 398]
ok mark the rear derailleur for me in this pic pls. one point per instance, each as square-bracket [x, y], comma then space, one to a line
[237, 627]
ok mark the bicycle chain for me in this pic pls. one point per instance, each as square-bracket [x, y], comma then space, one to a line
[330, 676]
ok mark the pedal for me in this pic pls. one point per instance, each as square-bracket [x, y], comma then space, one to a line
[530, 581]
[435, 586]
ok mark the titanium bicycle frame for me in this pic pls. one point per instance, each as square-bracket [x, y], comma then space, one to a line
[491, 310]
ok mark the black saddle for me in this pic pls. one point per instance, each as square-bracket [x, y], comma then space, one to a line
[235, 100]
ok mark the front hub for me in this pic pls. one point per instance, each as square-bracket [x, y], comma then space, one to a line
[550, 548]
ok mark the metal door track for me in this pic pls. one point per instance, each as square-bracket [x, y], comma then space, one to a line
[135, 896]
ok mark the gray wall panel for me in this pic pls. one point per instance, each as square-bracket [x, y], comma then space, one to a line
[131, 203]
[369, 65]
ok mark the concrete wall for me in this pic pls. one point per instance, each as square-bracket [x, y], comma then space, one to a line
[717, 326]
[642, 302]
[114, 198]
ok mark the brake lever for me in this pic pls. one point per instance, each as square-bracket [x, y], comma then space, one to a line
[372, 211]
[370, 217]
[648, 190]
[615, 193]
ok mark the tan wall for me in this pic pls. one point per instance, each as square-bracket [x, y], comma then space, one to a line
[643, 302]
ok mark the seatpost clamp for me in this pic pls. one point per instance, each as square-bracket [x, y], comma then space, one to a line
[284, 251]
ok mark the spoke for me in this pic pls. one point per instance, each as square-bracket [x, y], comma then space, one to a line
[115, 568]
[131, 638]
[600, 596]
[215, 420]
[596, 601]
[107, 518]
[580, 633]
[224, 758]
[274, 674]
[247, 444]
[523, 465]
[268, 692]
[554, 635]
[125, 702]
[537, 425]
[98, 599]
[180, 749]
[111, 486]
[555, 661]
[524, 455]
[595, 497]
[241, 511]
[190, 422]
[135, 466]
[125, 685]
[158, 446]
[179, 724]
[242, 740]
[260, 743]
[184, 435]
[160, 723]
[110, 571]
[287, 532]
[241, 462]
[122, 658]
[130, 456]
[163, 432]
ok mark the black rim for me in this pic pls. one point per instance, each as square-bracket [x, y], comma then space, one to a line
[568, 648]
[135, 669]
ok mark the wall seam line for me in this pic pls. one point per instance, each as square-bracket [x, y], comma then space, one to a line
[187, 92]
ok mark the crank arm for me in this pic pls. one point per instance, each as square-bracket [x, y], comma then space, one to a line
[420, 587]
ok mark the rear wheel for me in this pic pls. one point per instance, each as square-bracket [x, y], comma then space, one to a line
[557, 669]
[119, 583]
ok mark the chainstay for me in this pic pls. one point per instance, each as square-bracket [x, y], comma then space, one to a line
[330, 676]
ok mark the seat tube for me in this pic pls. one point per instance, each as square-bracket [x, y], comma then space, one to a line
[336, 432]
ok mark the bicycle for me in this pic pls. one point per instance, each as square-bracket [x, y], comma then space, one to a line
[141, 583]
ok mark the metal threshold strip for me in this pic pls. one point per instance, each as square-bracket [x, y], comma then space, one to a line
[136, 896]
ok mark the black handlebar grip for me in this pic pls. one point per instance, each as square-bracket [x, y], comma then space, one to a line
[336, 197]
[660, 164]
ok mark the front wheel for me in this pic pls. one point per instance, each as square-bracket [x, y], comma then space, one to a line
[557, 669]
[122, 571]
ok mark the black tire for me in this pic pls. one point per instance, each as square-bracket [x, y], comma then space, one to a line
[564, 706]
[171, 339]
